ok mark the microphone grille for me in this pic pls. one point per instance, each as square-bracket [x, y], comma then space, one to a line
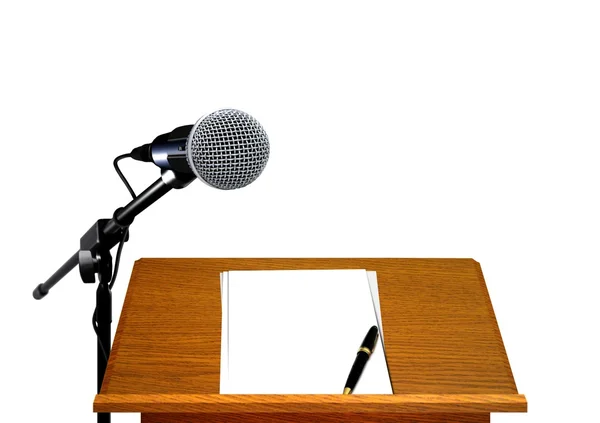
[227, 149]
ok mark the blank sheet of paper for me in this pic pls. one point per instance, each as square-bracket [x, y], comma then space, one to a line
[224, 332]
[297, 332]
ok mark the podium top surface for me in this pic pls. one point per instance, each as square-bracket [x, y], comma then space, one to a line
[443, 345]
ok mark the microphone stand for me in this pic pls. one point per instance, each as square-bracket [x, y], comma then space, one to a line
[94, 258]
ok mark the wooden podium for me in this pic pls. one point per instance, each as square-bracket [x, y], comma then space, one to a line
[445, 354]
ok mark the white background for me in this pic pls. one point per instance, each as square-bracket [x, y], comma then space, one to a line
[435, 129]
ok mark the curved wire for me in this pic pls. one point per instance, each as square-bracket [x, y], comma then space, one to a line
[116, 165]
[119, 250]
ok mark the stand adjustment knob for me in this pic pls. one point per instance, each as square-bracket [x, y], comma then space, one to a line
[87, 266]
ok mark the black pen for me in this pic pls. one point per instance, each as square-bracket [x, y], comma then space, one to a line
[362, 356]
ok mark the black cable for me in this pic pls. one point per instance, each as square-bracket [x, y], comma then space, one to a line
[116, 165]
[119, 250]
[98, 336]
[110, 285]
[118, 259]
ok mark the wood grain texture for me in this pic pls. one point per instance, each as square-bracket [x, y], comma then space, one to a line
[315, 418]
[215, 403]
[440, 330]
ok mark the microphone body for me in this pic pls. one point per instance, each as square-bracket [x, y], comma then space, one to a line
[167, 151]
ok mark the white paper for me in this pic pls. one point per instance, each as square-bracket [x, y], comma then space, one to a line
[224, 333]
[297, 332]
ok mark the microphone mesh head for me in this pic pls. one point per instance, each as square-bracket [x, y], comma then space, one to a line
[227, 149]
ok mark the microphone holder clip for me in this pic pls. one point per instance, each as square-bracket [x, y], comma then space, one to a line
[94, 252]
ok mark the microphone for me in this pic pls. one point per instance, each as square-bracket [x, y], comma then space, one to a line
[226, 149]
